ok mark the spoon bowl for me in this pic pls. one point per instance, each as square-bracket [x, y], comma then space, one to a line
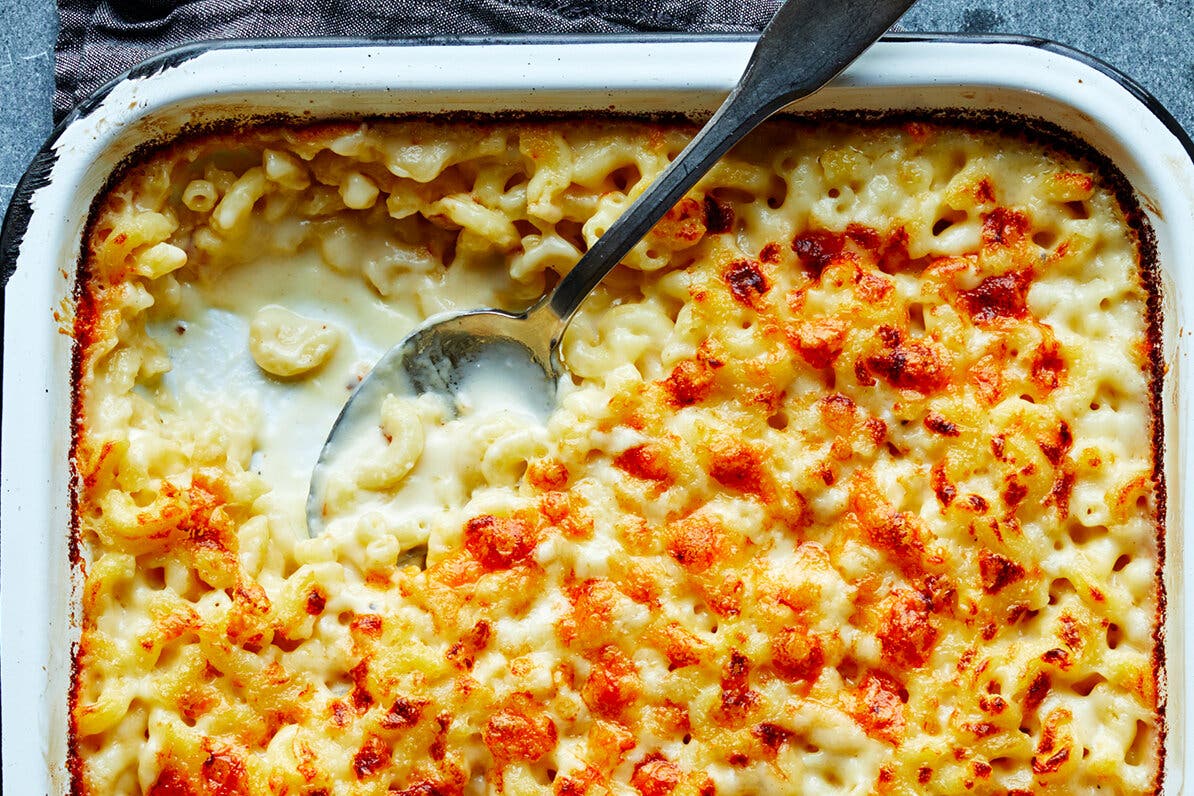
[806, 44]
[460, 357]
[444, 353]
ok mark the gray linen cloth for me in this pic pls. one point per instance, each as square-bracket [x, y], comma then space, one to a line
[100, 39]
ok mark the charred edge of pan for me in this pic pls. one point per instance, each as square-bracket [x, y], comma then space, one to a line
[1014, 126]
[74, 761]
[1150, 272]
[84, 334]
[1114, 180]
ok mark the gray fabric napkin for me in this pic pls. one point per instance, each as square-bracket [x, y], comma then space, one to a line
[100, 39]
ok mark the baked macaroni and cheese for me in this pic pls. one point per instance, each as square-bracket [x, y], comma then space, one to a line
[853, 486]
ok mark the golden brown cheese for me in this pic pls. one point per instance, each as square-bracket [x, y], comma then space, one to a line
[852, 488]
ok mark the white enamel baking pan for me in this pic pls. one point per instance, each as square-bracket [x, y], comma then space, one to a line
[40, 248]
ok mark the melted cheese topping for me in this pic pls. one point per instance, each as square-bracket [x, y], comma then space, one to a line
[851, 489]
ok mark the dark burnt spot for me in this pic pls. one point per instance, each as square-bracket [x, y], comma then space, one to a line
[439, 744]
[939, 424]
[942, 487]
[941, 593]
[816, 249]
[992, 703]
[864, 236]
[747, 282]
[340, 714]
[1004, 226]
[860, 373]
[403, 713]
[770, 253]
[1060, 493]
[224, 775]
[984, 192]
[997, 572]
[1014, 493]
[772, 736]
[981, 729]
[374, 755]
[316, 601]
[738, 759]
[908, 365]
[924, 774]
[463, 653]
[1056, 447]
[998, 297]
[1048, 366]
[738, 668]
[737, 698]
[1050, 764]
[977, 503]
[1057, 657]
[719, 216]
[360, 697]
[1038, 689]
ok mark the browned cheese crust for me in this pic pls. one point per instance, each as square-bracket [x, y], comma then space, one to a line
[852, 488]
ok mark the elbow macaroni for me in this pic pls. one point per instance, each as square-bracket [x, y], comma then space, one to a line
[851, 486]
[286, 344]
[402, 428]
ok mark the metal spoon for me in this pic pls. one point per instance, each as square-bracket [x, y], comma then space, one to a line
[806, 44]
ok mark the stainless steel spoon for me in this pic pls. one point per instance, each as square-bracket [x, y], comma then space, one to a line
[806, 44]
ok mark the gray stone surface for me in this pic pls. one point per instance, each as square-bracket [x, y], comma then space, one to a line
[1151, 40]
[27, 31]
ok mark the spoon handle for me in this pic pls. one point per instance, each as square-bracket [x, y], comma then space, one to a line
[806, 44]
